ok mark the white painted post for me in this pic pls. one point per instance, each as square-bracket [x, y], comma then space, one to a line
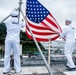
[49, 53]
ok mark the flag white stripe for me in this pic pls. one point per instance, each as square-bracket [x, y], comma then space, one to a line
[50, 25]
[43, 36]
[51, 18]
[37, 30]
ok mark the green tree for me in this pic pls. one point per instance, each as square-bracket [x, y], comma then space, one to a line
[27, 44]
[2, 33]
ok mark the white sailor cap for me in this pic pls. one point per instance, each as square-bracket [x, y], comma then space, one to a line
[68, 20]
[14, 13]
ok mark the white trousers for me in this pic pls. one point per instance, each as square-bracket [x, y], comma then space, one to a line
[9, 44]
[68, 50]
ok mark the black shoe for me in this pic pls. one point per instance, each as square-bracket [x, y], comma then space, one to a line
[13, 69]
[67, 66]
[5, 72]
[70, 69]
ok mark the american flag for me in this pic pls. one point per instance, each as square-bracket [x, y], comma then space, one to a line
[41, 22]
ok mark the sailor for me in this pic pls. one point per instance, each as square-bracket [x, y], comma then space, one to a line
[68, 35]
[12, 42]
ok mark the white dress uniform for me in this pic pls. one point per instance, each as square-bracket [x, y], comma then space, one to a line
[68, 33]
[12, 41]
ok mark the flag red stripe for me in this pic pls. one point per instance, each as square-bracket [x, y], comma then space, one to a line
[42, 27]
[41, 33]
[51, 22]
[39, 27]
[42, 39]
[56, 22]
[47, 26]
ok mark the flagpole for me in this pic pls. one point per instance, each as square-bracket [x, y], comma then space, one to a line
[49, 53]
[19, 8]
[7, 16]
[47, 66]
[40, 52]
[5, 19]
[20, 3]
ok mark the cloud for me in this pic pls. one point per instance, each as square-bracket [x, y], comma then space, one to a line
[61, 9]
[6, 6]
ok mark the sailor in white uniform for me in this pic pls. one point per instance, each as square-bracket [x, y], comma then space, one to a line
[68, 35]
[12, 41]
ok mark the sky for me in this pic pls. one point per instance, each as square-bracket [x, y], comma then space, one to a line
[60, 9]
